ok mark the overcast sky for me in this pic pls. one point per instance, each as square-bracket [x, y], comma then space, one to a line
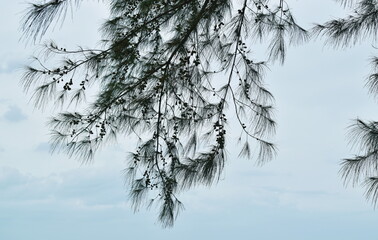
[297, 196]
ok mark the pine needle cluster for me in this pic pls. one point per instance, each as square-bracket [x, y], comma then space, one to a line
[360, 25]
[170, 72]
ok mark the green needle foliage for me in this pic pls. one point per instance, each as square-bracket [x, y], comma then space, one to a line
[343, 32]
[167, 73]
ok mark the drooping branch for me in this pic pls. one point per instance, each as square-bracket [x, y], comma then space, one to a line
[165, 84]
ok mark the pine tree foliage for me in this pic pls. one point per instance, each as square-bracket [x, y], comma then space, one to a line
[358, 26]
[170, 71]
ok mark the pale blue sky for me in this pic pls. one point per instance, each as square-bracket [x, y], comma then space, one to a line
[297, 196]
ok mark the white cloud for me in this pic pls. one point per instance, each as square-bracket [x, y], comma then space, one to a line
[14, 114]
[83, 188]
